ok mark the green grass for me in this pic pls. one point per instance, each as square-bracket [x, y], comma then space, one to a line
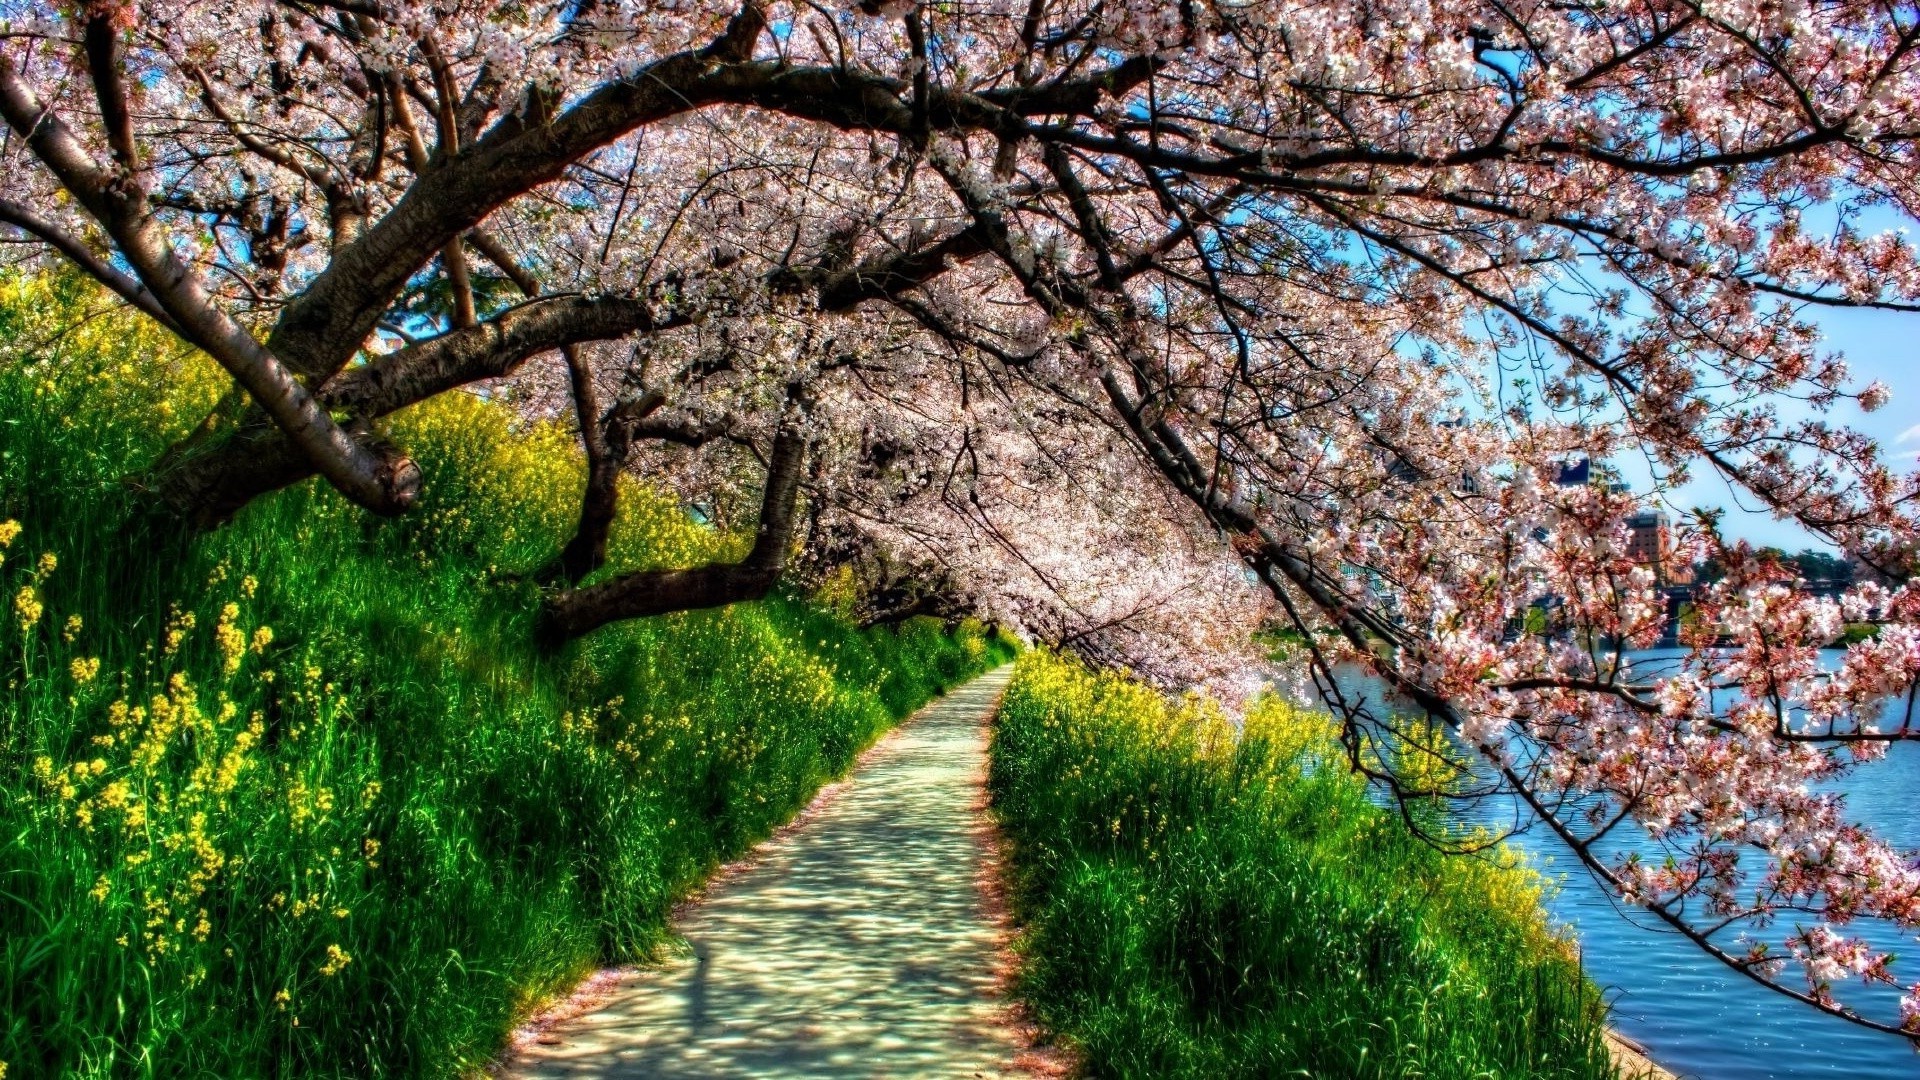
[1201, 903]
[301, 797]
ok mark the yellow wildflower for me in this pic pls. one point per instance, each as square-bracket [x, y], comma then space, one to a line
[282, 998]
[249, 585]
[9, 531]
[26, 605]
[337, 959]
[262, 638]
[72, 629]
[47, 565]
[84, 668]
[178, 627]
[100, 890]
[231, 639]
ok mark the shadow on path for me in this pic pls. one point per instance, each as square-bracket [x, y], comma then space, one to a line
[856, 946]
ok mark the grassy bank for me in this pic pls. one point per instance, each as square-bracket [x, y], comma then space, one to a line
[1201, 904]
[300, 796]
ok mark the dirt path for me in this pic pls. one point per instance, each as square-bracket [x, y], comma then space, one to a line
[858, 944]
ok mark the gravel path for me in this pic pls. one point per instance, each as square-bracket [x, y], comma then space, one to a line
[859, 943]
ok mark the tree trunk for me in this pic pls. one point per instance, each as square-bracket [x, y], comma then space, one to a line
[607, 439]
[893, 614]
[575, 612]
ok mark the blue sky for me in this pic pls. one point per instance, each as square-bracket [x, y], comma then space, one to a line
[1882, 345]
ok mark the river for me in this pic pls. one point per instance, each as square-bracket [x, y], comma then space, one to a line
[1697, 1017]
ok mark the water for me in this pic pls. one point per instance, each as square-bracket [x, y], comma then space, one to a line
[1697, 1017]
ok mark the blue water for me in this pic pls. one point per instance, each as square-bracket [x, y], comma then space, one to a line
[1699, 1018]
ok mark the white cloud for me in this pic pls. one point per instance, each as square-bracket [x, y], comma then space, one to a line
[1912, 434]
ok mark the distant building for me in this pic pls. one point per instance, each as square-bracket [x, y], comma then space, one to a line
[1650, 543]
[1574, 473]
[1647, 538]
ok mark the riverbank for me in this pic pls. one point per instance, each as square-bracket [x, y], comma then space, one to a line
[1696, 1017]
[301, 796]
[1201, 903]
[1632, 1060]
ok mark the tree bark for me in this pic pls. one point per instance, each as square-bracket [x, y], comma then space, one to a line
[896, 612]
[608, 438]
[575, 612]
[604, 437]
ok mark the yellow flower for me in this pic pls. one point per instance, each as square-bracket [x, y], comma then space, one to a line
[282, 998]
[72, 629]
[249, 585]
[337, 959]
[100, 890]
[231, 639]
[48, 563]
[9, 531]
[177, 629]
[26, 605]
[84, 668]
[262, 638]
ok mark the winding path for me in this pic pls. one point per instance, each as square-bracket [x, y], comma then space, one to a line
[858, 943]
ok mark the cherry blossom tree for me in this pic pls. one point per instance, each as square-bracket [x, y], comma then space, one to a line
[1131, 323]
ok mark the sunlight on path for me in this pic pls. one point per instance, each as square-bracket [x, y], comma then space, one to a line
[856, 946]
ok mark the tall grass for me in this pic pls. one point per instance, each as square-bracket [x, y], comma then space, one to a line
[300, 796]
[1204, 903]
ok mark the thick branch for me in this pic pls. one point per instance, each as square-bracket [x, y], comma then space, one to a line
[381, 482]
[488, 350]
[77, 252]
[322, 328]
[656, 592]
[607, 439]
[212, 486]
